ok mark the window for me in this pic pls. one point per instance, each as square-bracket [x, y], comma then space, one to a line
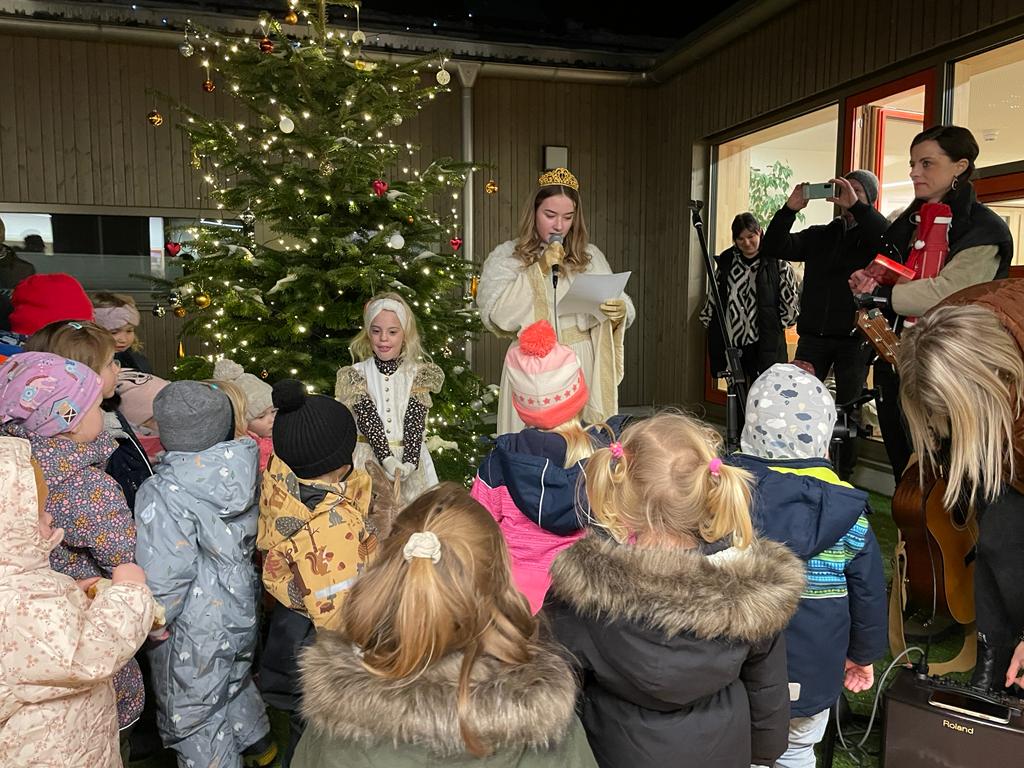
[113, 253]
[758, 171]
[988, 98]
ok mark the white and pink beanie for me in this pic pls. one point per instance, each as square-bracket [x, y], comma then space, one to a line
[545, 377]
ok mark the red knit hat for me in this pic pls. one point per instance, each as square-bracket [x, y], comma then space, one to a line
[545, 377]
[39, 300]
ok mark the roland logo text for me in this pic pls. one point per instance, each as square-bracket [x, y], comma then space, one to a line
[958, 727]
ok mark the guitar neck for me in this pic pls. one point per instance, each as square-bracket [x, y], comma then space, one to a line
[875, 327]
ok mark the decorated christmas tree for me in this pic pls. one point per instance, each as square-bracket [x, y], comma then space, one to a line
[329, 217]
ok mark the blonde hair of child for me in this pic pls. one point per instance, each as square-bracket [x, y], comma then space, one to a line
[662, 485]
[238, 404]
[953, 387]
[81, 341]
[108, 299]
[579, 444]
[406, 615]
[412, 347]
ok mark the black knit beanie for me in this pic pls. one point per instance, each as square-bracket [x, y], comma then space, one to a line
[313, 434]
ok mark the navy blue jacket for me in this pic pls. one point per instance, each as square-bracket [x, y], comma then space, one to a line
[843, 612]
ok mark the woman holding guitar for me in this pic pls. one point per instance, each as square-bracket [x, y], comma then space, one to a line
[962, 373]
[980, 249]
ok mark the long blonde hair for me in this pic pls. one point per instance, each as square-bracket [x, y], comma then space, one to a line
[406, 614]
[412, 347]
[663, 484]
[529, 244]
[579, 444]
[962, 378]
[239, 403]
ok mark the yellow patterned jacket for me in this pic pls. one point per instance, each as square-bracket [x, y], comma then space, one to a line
[313, 556]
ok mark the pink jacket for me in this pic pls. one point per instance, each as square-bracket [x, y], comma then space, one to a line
[58, 650]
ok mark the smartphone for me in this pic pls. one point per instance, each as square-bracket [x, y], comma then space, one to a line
[819, 191]
[966, 704]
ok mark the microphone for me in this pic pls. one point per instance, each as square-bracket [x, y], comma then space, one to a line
[554, 239]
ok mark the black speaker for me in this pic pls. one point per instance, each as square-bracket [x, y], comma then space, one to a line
[935, 722]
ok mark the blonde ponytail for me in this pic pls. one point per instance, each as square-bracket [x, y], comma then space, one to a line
[658, 480]
[409, 609]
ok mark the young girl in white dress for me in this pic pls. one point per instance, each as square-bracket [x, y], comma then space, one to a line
[388, 391]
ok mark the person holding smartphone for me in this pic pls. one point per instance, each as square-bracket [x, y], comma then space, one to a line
[831, 253]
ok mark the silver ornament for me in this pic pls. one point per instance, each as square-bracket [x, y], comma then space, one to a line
[247, 217]
[443, 78]
[358, 37]
[159, 311]
[186, 49]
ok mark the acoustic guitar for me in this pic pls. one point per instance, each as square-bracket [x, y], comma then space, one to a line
[873, 324]
[938, 542]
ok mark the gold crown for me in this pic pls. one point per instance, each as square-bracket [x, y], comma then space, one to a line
[561, 177]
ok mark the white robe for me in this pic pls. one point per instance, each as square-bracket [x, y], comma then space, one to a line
[511, 297]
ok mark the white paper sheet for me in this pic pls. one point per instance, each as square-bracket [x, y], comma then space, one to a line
[588, 292]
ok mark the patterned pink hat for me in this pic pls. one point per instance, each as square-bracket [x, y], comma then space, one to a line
[47, 393]
[547, 382]
[137, 391]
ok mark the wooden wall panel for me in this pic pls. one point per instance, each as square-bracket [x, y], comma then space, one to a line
[73, 132]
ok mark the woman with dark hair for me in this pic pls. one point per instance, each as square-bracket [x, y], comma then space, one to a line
[762, 301]
[980, 249]
[516, 291]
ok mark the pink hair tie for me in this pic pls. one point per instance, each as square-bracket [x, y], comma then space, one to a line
[715, 466]
[616, 450]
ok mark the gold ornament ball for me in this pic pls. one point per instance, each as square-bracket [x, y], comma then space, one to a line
[410, 219]
[196, 162]
[443, 78]
[264, 373]
[155, 118]
[179, 312]
[203, 300]
[291, 17]
[326, 168]
[491, 187]
[208, 86]
[358, 37]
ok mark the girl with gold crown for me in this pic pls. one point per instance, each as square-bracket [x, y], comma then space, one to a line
[516, 290]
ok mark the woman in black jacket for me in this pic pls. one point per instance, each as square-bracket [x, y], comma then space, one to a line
[762, 301]
[980, 249]
[674, 616]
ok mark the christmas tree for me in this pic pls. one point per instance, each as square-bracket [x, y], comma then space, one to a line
[314, 166]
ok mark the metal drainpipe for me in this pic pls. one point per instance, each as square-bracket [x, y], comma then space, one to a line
[467, 76]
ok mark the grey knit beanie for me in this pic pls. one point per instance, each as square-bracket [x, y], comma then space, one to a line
[868, 180]
[192, 416]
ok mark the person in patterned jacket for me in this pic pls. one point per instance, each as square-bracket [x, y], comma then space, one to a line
[54, 403]
[840, 626]
[761, 298]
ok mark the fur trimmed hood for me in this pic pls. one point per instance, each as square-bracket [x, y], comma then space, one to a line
[745, 595]
[531, 705]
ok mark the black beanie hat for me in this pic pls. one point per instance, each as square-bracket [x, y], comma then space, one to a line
[313, 434]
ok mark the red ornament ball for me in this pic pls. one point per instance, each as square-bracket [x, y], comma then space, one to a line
[456, 243]
[380, 187]
[267, 45]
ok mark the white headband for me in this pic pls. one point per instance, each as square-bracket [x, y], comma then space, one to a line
[374, 308]
[113, 318]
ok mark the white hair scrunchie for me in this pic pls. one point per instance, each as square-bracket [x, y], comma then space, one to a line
[425, 544]
[374, 308]
[113, 318]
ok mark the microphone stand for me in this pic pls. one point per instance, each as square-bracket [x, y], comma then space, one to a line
[735, 382]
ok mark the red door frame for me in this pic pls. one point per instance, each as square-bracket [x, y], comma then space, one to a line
[883, 115]
[926, 78]
[997, 188]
